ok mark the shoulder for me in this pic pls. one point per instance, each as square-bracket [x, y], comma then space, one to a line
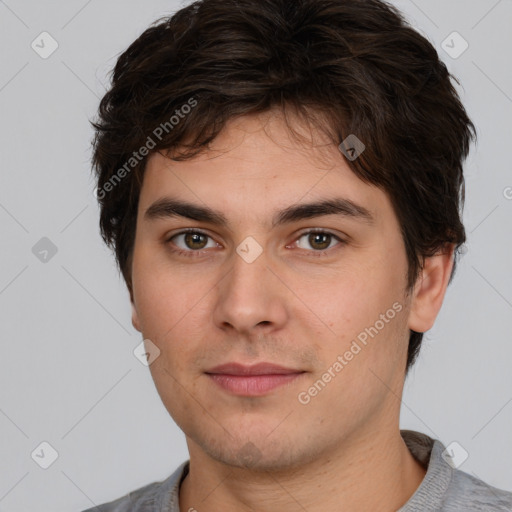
[135, 501]
[469, 493]
[446, 488]
[149, 497]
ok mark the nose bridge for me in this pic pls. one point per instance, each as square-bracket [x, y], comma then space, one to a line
[249, 295]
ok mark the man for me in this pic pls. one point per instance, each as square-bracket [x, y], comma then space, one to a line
[281, 182]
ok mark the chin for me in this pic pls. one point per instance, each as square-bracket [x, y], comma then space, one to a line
[256, 453]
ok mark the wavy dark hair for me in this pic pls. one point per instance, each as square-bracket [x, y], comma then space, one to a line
[347, 66]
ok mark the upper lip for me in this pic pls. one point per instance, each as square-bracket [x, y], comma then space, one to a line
[255, 369]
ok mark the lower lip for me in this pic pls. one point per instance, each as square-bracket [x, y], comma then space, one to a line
[252, 385]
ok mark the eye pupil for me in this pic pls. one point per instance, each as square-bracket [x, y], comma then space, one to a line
[319, 241]
[316, 238]
[194, 238]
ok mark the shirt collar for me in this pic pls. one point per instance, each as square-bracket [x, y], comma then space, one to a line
[427, 497]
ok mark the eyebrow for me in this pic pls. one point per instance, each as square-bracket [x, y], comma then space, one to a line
[167, 207]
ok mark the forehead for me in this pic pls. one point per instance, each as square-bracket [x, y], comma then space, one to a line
[256, 166]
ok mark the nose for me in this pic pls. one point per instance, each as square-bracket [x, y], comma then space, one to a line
[251, 297]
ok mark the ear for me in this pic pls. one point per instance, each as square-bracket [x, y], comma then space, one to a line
[135, 315]
[430, 288]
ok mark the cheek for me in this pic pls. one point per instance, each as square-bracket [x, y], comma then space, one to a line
[351, 302]
[162, 295]
[174, 318]
[366, 318]
[366, 362]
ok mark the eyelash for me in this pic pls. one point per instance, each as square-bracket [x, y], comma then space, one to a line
[191, 253]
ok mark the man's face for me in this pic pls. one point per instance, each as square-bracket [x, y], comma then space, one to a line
[306, 302]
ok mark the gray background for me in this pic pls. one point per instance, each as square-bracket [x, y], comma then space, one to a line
[68, 375]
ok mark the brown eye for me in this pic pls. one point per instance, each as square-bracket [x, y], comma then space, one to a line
[191, 241]
[195, 240]
[317, 240]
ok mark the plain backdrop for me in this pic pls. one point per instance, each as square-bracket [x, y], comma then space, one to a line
[68, 375]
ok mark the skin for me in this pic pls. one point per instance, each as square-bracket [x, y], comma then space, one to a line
[289, 306]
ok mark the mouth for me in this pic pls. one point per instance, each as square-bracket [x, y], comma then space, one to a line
[255, 380]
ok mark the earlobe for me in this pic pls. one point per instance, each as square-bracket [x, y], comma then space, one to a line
[430, 289]
[135, 317]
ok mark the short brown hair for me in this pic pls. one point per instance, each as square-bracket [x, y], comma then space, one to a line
[355, 64]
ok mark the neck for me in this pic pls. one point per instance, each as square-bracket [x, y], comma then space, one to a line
[374, 472]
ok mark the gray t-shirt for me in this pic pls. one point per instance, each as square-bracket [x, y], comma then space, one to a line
[443, 489]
